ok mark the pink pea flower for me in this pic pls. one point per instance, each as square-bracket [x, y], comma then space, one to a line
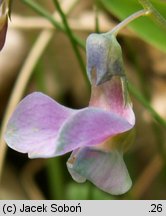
[44, 128]
[4, 9]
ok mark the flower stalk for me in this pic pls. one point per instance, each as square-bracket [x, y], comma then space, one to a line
[128, 20]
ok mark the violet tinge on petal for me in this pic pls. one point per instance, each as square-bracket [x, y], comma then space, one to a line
[4, 10]
[44, 128]
[104, 55]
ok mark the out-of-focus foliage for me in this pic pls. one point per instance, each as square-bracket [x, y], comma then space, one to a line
[144, 27]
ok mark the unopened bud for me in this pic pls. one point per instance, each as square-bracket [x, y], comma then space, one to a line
[104, 57]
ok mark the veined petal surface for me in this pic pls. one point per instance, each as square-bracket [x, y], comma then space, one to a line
[105, 170]
[112, 96]
[34, 125]
[88, 127]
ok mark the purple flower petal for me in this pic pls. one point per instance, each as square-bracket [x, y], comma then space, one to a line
[113, 96]
[89, 126]
[43, 128]
[105, 170]
[34, 125]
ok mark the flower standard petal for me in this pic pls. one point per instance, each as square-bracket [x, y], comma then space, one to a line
[105, 170]
[34, 125]
[89, 127]
[43, 128]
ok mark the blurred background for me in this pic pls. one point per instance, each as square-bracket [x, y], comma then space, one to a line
[39, 57]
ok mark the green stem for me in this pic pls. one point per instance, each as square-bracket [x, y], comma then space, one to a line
[146, 104]
[96, 10]
[157, 130]
[39, 77]
[156, 16]
[128, 20]
[71, 37]
[55, 177]
[40, 10]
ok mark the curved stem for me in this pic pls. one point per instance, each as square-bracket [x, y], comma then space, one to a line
[129, 19]
[156, 16]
